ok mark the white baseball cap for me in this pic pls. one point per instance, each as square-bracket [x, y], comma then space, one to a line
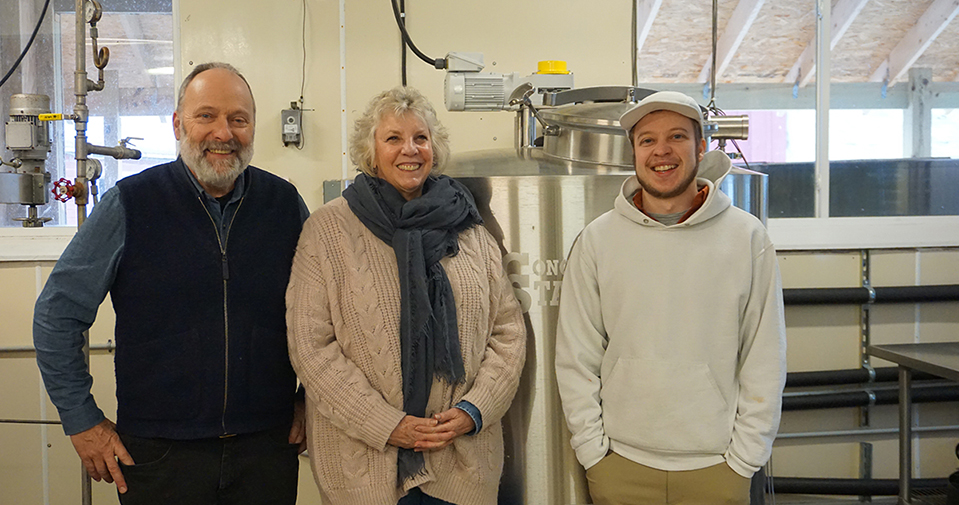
[662, 100]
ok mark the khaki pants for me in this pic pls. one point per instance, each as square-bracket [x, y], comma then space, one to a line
[616, 480]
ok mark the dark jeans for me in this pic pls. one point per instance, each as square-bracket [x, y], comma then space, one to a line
[417, 497]
[251, 469]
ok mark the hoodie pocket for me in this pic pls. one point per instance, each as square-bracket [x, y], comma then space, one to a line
[665, 406]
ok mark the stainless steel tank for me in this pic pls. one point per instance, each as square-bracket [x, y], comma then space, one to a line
[535, 201]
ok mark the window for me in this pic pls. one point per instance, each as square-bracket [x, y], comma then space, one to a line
[789, 136]
[136, 102]
[945, 133]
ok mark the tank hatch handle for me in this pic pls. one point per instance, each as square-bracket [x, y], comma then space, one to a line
[520, 96]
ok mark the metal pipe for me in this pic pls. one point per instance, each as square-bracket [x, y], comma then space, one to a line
[29, 421]
[86, 486]
[26, 349]
[634, 45]
[118, 152]
[862, 295]
[849, 376]
[905, 433]
[81, 113]
[784, 439]
[825, 296]
[712, 67]
[823, 70]
[833, 400]
[849, 487]
[917, 294]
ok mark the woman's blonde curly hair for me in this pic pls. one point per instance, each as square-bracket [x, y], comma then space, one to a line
[398, 102]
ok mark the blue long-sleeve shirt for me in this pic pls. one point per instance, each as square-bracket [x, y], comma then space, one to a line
[77, 286]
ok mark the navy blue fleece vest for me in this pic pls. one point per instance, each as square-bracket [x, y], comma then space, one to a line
[201, 335]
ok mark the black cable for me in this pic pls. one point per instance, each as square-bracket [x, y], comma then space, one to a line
[403, 44]
[303, 69]
[741, 154]
[299, 145]
[438, 63]
[29, 43]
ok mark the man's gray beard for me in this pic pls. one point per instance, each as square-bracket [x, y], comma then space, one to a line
[219, 175]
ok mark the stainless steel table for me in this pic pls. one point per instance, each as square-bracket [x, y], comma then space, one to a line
[941, 359]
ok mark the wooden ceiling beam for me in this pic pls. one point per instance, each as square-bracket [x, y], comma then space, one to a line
[916, 40]
[844, 12]
[736, 29]
[646, 11]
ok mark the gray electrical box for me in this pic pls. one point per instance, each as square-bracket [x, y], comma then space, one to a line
[23, 135]
[292, 124]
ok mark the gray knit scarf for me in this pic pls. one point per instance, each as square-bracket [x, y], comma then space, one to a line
[421, 231]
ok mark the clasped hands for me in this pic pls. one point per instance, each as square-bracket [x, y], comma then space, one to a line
[431, 433]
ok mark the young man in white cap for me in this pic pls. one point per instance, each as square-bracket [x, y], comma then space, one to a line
[671, 344]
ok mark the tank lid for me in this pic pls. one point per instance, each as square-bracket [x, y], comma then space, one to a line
[589, 133]
[592, 115]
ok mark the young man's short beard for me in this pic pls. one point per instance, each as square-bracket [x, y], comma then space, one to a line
[678, 190]
[221, 174]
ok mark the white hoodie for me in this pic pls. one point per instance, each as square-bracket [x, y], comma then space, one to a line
[671, 344]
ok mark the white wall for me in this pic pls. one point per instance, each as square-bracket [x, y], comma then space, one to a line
[263, 39]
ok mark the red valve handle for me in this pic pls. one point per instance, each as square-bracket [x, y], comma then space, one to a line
[62, 189]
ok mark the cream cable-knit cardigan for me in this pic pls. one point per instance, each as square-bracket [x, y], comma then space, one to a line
[343, 315]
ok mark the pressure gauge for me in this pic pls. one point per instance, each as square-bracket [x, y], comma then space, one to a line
[92, 11]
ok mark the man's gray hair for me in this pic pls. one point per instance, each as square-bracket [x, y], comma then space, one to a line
[398, 101]
[203, 67]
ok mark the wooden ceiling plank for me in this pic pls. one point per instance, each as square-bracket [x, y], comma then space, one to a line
[917, 40]
[646, 11]
[736, 29]
[844, 12]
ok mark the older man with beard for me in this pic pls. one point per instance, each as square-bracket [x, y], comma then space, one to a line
[196, 256]
[671, 344]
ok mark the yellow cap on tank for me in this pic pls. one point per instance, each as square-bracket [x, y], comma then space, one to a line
[552, 67]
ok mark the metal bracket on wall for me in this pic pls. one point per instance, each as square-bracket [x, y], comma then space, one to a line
[864, 310]
[865, 448]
